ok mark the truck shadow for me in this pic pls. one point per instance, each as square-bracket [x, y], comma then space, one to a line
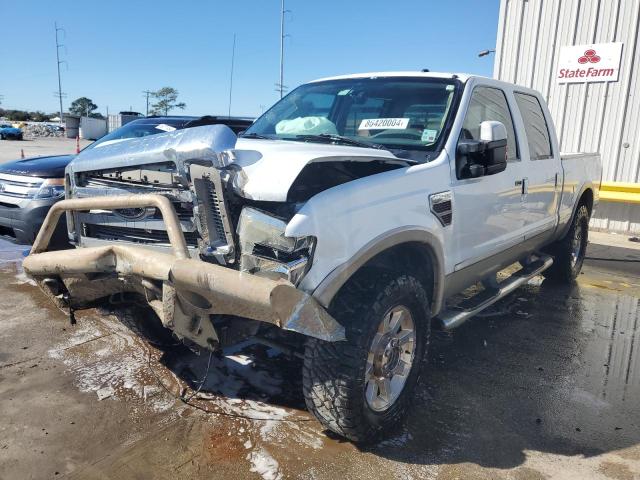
[246, 374]
[553, 369]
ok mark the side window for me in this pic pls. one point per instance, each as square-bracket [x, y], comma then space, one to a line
[489, 104]
[535, 126]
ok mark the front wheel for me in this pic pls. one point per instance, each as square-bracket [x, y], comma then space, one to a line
[361, 388]
[569, 252]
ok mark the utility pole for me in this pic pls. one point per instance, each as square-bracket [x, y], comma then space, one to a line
[59, 93]
[280, 86]
[233, 55]
[147, 93]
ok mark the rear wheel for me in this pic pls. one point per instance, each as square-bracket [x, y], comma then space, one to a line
[361, 388]
[569, 252]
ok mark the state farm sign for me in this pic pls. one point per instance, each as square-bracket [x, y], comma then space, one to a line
[598, 62]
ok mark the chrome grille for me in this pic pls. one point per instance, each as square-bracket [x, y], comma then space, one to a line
[18, 186]
[215, 210]
[120, 225]
[134, 235]
[214, 222]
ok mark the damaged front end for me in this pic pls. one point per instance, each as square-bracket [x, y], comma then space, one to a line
[184, 292]
[155, 217]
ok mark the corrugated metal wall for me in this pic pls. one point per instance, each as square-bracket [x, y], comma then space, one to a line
[602, 117]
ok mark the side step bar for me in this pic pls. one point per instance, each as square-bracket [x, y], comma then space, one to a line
[459, 314]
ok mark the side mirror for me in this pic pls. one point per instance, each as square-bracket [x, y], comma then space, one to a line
[494, 136]
[486, 156]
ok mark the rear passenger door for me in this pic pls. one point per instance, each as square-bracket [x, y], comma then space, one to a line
[541, 189]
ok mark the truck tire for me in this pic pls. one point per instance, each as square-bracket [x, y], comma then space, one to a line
[569, 252]
[360, 388]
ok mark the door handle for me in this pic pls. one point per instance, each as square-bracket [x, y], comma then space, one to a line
[523, 185]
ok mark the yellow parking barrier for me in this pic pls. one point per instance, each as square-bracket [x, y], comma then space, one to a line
[620, 192]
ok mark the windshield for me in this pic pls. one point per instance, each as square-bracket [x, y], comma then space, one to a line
[140, 128]
[395, 113]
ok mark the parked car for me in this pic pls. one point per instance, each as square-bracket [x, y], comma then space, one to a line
[8, 131]
[56, 128]
[28, 188]
[343, 221]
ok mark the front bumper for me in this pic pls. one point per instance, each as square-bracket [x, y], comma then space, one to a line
[26, 217]
[183, 292]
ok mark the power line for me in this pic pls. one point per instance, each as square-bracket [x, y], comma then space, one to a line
[233, 55]
[280, 86]
[59, 93]
[147, 93]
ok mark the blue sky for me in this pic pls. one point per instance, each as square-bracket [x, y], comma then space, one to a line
[116, 49]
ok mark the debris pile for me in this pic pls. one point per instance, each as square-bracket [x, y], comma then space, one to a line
[42, 130]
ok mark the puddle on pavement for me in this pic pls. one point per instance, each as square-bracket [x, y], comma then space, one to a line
[11, 255]
[548, 369]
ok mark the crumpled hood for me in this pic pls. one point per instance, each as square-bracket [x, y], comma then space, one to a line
[267, 170]
[203, 143]
[269, 167]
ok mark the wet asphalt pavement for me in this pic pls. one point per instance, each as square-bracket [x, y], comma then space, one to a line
[544, 385]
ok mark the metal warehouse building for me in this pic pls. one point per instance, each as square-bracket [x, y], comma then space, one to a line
[583, 55]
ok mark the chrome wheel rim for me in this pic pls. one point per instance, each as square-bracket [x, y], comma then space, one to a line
[390, 358]
[576, 246]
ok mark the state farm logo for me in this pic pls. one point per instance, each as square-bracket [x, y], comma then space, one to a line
[589, 56]
[598, 62]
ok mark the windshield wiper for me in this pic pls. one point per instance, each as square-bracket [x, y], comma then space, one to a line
[255, 135]
[339, 139]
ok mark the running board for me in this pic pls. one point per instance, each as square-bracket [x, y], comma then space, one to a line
[459, 314]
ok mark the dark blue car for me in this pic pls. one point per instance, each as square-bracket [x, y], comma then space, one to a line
[28, 188]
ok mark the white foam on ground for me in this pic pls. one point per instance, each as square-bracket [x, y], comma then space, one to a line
[117, 361]
[264, 464]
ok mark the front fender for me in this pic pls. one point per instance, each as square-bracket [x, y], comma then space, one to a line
[355, 221]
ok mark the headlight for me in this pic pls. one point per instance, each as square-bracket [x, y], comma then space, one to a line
[50, 188]
[267, 251]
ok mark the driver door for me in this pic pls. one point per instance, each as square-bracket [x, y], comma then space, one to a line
[488, 209]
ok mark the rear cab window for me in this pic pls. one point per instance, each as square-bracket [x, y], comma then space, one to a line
[535, 126]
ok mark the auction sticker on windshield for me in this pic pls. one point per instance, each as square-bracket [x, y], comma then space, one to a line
[165, 128]
[384, 123]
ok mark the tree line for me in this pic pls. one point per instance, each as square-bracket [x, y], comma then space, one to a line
[166, 100]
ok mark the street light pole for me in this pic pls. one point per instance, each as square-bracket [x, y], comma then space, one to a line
[484, 53]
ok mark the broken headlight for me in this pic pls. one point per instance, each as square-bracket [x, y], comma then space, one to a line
[265, 250]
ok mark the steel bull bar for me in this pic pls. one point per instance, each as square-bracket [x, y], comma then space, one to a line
[183, 292]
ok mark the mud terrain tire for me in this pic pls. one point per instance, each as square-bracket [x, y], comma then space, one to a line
[569, 251]
[335, 373]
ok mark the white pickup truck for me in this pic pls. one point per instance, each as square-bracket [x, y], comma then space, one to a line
[340, 224]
